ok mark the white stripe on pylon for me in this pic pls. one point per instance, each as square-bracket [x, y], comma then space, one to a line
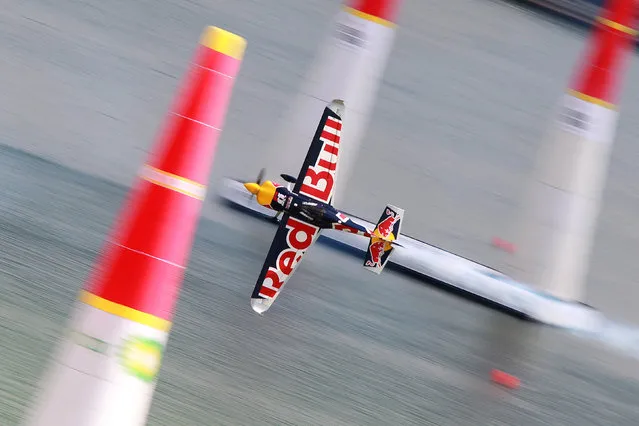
[557, 225]
[173, 182]
[350, 66]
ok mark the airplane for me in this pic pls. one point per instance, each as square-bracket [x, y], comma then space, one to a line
[307, 209]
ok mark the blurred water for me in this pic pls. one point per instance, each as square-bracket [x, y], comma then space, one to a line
[341, 347]
[466, 97]
[464, 101]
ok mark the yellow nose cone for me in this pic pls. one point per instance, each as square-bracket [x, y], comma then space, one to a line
[266, 194]
[253, 188]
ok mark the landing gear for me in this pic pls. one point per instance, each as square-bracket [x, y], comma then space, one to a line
[276, 217]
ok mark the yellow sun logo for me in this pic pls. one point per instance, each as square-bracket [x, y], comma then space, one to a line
[142, 357]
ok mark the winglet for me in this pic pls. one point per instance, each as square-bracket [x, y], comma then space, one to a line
[260, 305]
[338, 107]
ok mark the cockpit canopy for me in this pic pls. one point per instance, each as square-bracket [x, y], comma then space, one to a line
[312, 209]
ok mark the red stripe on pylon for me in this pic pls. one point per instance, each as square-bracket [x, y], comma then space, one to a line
[197, 117]
[143, 265]
[383, 9]
[600, 75]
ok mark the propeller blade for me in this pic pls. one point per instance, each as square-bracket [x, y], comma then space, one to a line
[260, 176]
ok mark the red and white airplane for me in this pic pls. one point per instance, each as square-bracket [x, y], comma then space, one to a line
[307, 209]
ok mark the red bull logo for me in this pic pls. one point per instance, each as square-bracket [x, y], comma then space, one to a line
[375, 253]
[385, 227]
[299, 238]
[320, 177]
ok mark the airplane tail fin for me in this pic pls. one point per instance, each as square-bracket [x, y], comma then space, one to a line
[383, 239]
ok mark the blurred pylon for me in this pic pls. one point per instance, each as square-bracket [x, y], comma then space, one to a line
[349, 66]
[558, 223]
[107, 363]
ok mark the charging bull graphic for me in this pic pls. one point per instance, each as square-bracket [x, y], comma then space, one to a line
[381, 243]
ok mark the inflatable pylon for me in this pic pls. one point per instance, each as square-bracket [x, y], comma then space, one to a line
[106, 366]
[349, 66]
[558, 224]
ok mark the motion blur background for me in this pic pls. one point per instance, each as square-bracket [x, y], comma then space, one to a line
[469, 90]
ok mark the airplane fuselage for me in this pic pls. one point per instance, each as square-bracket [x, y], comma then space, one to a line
[307, 209]
[314, 212]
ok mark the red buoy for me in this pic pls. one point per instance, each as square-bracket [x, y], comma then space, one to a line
[504, 379]
[504, 245]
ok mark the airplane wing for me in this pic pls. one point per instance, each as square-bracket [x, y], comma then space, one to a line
[292, 239]
[317, 176]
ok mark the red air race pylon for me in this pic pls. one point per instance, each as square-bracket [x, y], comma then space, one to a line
[349, 66]
[557, 227]
[106, 366]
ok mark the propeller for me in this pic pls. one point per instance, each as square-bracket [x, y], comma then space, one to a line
[260, 176]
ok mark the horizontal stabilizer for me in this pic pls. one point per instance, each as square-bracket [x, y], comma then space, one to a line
[383, 240]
